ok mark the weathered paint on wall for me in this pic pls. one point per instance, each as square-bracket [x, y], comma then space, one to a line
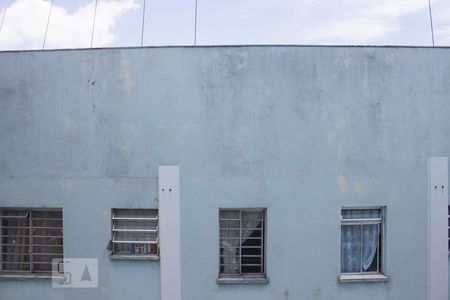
[302, 131]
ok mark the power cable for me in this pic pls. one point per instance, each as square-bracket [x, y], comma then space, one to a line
[48, 22]
[93, 23]
[431, 22]
[195, 25]
[143, 22]
[3, 18]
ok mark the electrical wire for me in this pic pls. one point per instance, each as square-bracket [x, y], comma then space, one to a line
[431, 22]
[93, 23]
[143, 22]
[3, 18]
[48, 22]
[195, 25]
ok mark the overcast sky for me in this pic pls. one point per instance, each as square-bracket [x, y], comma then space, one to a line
[222, 22]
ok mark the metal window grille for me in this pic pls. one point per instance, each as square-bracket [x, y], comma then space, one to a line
[135, 232]
[242, 242]
[360, 222]
[30, 239]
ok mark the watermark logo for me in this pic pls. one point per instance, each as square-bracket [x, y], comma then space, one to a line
[75, 273]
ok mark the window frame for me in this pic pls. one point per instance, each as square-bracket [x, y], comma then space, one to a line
[134, 256]
[379, 274]
[448, 229]
[31, 273]
[245, 277]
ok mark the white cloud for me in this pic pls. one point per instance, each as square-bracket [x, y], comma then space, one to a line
[358, 21]
[354, 22]
[400, 22]
[354, 31]
[25, 22]
[318, 21]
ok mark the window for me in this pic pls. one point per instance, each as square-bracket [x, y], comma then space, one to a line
[134, 233]
[29, 240]
[361, 241]
[242, 243]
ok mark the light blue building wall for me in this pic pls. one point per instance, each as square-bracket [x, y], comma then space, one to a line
[301, 131]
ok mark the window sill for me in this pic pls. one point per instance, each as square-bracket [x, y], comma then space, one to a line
[13, 276]
[134, 257]
[362, 277]
[239, 280]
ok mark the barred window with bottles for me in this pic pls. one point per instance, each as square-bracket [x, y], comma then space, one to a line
[242, 243]
[135, 232]
[30, 239]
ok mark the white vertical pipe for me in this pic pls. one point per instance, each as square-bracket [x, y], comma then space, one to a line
[169, 232]
[437, 228]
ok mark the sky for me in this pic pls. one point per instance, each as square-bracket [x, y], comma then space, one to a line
[118, 23]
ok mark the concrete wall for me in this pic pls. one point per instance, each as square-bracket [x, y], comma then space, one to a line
[302, 131]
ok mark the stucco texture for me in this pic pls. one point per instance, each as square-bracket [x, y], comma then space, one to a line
[301, 131]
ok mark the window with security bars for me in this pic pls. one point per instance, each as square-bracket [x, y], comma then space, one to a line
[30, 239]
[135, 232]
[361, 241]
[242, 242]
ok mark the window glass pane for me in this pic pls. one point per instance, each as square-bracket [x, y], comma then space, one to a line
[252, 232]
[57, 249]
[230, 245]
[231, 267]
[251, 269]
[42, 266]
[47, 214]
[350, 248]
[46, 241]
[251, 260]
[230, 214]
[252, 242]
[20, 214]
[135, 213]
[47, 222]
[230, 224]
[225, 251]
[251, 250]
[252, 215]
[135, 236]
[229, 233]
[15, 265]
[361, 213]
[135, 224]
[135, 249]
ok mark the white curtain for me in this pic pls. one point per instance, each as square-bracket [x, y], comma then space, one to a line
[358, 250]
[370, 245]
